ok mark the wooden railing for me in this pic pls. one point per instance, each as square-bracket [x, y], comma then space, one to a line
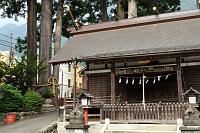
[151, 111]
[104, 99]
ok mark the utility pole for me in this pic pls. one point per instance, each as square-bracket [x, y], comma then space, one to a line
[74, 92]
[11, 50]
[62, 84]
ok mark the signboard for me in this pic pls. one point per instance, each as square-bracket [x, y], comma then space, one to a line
[145, 69]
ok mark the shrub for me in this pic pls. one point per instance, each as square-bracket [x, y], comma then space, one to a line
[32, 101]
[46, 93]
[10, 99]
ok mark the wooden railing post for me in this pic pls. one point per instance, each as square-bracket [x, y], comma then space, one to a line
[101, 112]
[179, 80]
[159, 110]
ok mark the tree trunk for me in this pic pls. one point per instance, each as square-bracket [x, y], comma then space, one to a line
[31, 35]
[58, 33]
[46, 38]
[104, 10]
[132, 9]
[120, 10]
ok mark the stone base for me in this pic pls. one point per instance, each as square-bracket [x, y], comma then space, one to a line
[76, 130]
[76, 121]
[47, 108]
[190, 129]
[191, 122]
[77, 126]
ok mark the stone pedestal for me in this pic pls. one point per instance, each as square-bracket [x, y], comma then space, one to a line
[76, 121]
[76, 125]
[190, 129]
[191, 117]
[47, 106]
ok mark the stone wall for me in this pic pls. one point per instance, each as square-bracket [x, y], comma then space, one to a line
[190, 129]
[52, 128]
[24, 115]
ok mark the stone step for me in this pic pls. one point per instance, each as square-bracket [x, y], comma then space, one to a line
[95, 128]
[137, 131]
[148, 127]
[45, 110]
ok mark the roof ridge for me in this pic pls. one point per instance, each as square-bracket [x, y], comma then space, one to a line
[146, 20]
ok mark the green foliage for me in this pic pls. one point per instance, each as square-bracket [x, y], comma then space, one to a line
[22, 74]
[47, 93]
[145, 8]
[3, 69]
[32, 101]
[10, 99]
[13, 8]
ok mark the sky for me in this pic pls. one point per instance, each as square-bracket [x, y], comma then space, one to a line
[4, 21]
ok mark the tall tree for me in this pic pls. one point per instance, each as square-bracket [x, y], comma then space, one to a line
[103, 8]
[58, 33]
[120, 9]
[45, 38]
[132, 9]
[145, 7]
[31, 34]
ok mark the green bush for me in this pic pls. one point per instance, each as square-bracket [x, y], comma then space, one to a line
[46, 93]
[10, 99]
[32, 101]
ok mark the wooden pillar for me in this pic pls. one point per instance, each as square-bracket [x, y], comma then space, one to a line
[113, 96]
[87, 77]
[179, 80]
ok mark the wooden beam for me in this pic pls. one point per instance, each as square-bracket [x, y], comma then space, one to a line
[190, 64]
[98, 71]
[146, 69]
[113, 95]
[179, 81]
[140, 21]
[142, 57]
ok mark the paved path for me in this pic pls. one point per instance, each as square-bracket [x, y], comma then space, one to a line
[30, 125]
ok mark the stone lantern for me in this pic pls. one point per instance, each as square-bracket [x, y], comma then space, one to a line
[191, 115]
[191, 96]
[85, 98]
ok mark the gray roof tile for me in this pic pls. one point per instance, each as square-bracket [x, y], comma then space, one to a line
[159, 37]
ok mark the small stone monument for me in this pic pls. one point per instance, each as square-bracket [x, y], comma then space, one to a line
[191, 116]
[191, 121]
[47, 106]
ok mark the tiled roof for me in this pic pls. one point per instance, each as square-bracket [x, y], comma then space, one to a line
[161, 36]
